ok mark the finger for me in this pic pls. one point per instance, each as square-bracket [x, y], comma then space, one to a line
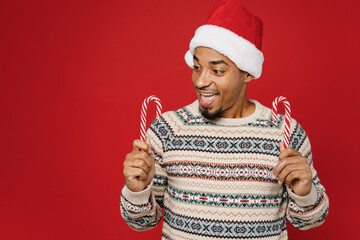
[137, 163]
[146, 157]
[288, 169]
[296, 175]
[140, 173]
[288, 152]
[140, 145]
[282, 164]
[135, 173]
[140, 155]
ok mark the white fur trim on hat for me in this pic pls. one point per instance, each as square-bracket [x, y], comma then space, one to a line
[239, 50]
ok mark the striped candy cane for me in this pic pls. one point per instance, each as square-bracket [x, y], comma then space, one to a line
[144, 111]
[287, 116]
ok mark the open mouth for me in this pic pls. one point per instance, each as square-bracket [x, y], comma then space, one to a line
[206, 99]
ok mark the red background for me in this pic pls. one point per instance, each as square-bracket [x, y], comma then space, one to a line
[73, 75]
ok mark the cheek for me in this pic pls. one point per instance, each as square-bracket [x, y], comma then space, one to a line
[194, 77]
[231, 88]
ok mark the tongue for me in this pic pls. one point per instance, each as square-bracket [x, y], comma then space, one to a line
[207, 100]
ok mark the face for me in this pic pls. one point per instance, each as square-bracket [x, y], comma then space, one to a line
[218, 83]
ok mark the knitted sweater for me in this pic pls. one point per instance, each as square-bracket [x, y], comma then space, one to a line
[213, 179]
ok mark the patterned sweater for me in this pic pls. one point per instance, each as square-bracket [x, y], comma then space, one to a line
[213, 179]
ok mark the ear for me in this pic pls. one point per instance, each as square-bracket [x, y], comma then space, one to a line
[247, 77]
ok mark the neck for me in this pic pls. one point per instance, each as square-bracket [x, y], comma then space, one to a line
[242, 108]
[247, 108]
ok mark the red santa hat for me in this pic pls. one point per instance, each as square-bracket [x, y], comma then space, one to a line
[234, 32]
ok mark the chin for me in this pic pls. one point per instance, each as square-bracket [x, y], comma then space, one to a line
[210, 115]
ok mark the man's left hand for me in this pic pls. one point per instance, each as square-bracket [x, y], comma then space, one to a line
[294, 170]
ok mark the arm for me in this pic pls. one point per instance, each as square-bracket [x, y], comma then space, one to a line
[141, 200]
[310, 211]
[308, 203]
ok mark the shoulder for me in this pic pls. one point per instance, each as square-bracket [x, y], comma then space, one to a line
[298, 135]
[299, 139]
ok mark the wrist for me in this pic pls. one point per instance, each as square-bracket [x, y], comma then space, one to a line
[303, 191]
[306, 200]
[138, 198]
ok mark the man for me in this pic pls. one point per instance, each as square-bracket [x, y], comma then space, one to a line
[218, 167]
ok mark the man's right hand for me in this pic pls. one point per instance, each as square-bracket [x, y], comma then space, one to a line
[139, 166]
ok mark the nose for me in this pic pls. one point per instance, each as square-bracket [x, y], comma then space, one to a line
[202, 79]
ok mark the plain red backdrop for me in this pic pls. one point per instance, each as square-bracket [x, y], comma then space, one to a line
[73, 75]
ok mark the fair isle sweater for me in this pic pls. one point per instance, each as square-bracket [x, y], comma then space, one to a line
[213, 179]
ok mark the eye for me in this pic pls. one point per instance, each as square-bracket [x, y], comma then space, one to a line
[218, 71]
[196, 68]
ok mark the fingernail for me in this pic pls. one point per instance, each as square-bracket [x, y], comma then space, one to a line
[279, 182]
[273, 176]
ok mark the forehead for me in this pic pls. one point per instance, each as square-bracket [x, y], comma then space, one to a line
[207, 55]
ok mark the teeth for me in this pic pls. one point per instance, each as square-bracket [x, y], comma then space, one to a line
[207, 94]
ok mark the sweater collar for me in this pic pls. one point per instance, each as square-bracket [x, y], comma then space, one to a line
[259, 110]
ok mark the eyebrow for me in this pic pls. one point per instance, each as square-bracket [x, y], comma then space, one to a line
[218, 62]
[213, 62]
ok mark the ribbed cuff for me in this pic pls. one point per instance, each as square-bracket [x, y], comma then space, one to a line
[304, 201]
[137, 198]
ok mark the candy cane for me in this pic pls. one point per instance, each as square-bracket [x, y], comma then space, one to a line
[287, 116]
[143, 114]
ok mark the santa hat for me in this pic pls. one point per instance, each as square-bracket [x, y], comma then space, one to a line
[234, 32]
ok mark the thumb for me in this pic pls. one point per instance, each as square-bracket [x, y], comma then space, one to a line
[147, 140]
[282, 148]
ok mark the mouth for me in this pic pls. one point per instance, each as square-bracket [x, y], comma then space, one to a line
[206, 99]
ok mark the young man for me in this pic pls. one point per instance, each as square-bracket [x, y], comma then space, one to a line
[217, 167]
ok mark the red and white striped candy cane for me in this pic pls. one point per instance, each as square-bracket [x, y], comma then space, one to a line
[287, 117]
[144, 111]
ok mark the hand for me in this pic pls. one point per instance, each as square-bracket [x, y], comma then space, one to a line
[294, 170]
[139, 166]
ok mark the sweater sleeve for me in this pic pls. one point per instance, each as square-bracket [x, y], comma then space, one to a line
[143, 210]
[306, 212]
